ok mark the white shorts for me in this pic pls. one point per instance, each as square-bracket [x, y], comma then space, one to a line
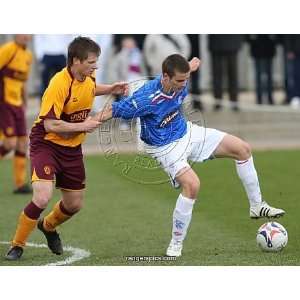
[197, 145]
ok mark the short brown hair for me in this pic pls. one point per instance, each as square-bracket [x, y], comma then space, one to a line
[80, 48]
[175, 62]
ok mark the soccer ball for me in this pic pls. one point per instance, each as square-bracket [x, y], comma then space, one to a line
[271, 237]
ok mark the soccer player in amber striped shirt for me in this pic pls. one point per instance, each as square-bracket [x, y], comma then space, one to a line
[55, 145]
[15, 62]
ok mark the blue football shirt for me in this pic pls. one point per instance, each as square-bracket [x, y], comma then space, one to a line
[162, 120]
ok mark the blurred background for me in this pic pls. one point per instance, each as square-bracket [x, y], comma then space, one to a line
[248, 85]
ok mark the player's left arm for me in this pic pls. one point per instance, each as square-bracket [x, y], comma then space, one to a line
[117, 88]
[194, 64]
[127, 108]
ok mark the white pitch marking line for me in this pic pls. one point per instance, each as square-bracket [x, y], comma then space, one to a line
[77, 253]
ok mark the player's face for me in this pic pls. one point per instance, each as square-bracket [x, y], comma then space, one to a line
[178, 81]
[88, 66]
[23, 39]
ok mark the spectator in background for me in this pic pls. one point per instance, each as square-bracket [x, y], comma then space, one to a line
[158, 46]
[284, 40]
[50, 50]
[105, 40]
[139, 39]
[263, 49]
[292, 45]
[195, 76]
[15, 63]
[224, 50]
[127, 65]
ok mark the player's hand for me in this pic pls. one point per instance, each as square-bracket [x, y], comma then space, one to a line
[103, 115]
[90, 124]
[194, 64]
[100, 116]
[119, 88]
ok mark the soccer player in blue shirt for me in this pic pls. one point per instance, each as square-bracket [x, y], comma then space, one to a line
[172, 141]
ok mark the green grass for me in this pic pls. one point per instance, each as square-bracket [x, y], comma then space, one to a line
[124, 217]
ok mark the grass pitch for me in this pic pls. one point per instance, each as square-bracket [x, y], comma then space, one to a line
[124, 215]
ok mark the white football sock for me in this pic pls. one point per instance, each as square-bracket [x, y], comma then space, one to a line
[182, 216]
[248, 176]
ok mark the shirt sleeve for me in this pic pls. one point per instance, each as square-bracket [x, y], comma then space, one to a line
[135, 106]
[6, 53]
[53, 99]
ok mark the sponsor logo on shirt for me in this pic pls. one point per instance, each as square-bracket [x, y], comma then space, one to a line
[79, 116]
[168, 118]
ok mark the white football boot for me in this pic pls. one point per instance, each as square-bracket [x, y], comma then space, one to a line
[263, 210]
[174, 248]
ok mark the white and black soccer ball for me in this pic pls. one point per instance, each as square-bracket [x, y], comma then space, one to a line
[272, 237]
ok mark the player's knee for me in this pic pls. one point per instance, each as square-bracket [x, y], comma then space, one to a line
[74, 207]
[10, 144]
[192, 187]
[21, 144]
[41, 199]
[21, 148]
[195, 188]
[244, 151]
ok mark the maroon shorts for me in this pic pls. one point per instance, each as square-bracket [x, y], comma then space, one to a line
[12, 120]
[65, 163]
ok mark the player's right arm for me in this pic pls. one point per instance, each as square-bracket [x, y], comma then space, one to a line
[62, 127]
[52, 108]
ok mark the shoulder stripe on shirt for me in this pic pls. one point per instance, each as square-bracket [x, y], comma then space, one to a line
[161, 95]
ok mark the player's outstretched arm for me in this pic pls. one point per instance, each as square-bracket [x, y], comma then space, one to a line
[104, 114]
[117, 88]
[194, 64]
